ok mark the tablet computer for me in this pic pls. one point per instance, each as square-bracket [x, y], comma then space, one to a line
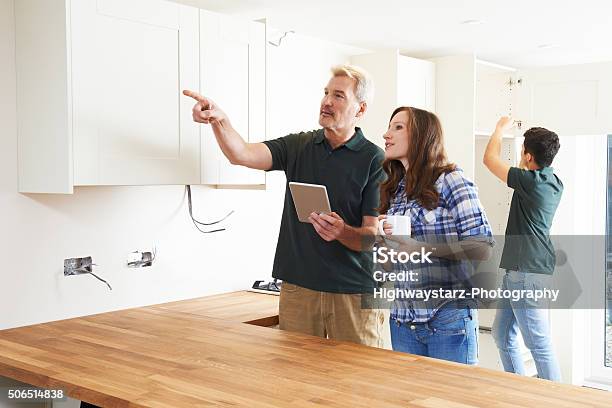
[309, 198]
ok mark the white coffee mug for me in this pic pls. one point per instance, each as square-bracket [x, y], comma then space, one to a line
[399, 223]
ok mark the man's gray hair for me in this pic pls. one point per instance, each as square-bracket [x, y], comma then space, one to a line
[364, 86]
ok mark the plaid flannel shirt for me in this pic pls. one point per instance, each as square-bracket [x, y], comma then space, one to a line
[458, 216]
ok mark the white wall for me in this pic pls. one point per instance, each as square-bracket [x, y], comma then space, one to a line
[582, 166]
[39, 231]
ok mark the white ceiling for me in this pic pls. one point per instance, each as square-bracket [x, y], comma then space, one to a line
[510, 31]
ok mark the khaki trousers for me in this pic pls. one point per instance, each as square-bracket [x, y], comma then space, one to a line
[336, 316]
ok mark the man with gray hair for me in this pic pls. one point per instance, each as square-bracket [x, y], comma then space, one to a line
[324, 265]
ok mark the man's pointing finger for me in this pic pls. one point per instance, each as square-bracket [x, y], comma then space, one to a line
[202, 100]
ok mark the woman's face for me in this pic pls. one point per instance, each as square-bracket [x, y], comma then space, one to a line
[397, 138]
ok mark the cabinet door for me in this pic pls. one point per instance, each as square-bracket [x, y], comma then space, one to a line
[455, 94]
[130, 61]
[233, 75]
[494, 99]
[571, 100]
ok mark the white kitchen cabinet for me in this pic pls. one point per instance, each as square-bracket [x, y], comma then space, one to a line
[570, 100]
[497, 90]
[99, 98]
[398, 81]
[233, 70]
[99, 93]
[471, 95]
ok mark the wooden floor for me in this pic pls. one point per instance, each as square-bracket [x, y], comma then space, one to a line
[174, 356]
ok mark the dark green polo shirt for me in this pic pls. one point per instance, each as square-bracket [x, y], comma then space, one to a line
[352, 174]
[528, 247]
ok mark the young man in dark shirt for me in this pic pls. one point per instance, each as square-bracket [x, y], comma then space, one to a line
[528, 256]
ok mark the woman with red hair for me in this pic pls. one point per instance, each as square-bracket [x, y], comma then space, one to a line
[448, 220]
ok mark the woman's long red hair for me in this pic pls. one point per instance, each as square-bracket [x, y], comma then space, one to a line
[426, 161]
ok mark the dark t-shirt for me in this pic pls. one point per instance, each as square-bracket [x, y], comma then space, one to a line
[536, 196]
[352, 174]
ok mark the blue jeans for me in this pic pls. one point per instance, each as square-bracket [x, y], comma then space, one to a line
[530, 318]
[451, 335]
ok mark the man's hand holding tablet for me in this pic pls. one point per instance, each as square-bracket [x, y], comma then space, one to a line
[329, 226]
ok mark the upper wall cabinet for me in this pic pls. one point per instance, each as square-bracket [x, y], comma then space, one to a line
[99, 93]
[233, 71]
[130, 61]
[572, 100]
[398, 81]
[471, 95]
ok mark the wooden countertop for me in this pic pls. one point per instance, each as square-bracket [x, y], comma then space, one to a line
[241, 307]
[198, 353]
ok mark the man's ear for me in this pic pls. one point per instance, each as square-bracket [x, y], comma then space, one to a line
[363, 107]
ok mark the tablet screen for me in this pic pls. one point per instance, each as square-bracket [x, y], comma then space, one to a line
[309, 198]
